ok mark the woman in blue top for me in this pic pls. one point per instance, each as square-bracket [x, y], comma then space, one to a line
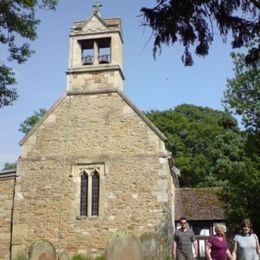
[246, 245]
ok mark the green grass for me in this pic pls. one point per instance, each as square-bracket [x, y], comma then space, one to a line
[21, 255]
[84, 257]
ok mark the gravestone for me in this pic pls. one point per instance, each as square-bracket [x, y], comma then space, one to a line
[153, 247]
[42, 250]
[64, 256]
[124, 246]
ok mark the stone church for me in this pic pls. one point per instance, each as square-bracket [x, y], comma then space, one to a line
[94, 164]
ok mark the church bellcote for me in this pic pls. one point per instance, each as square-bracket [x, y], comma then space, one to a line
[95, 54]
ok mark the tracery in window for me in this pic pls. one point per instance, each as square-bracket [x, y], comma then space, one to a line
[90, 189]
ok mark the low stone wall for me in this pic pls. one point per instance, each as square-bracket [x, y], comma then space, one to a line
[6, 203]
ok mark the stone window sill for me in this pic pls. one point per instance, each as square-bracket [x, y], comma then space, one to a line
[85, 217]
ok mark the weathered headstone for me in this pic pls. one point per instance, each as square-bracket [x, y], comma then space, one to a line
[153, 247]
[42, 250]
[64, 256]
[123, 245]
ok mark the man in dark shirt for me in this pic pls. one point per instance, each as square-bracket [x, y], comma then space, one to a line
[184, 240]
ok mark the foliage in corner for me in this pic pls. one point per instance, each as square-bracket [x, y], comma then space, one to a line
[21, 255]
[100, 257]
[79, 257]
[242, 96]
[211, 151]
[18, 22]
[120, 233]
[9, 166]
[241, 195]
[84, 257]
[195, 23]
[204, 142]
[29, 122]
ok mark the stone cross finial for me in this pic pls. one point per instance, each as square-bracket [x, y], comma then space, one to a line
[96, 7]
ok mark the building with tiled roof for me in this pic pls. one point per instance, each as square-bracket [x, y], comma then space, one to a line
[203, 210]
[198, 204]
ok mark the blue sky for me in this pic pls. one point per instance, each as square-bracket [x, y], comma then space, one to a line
[150, 84]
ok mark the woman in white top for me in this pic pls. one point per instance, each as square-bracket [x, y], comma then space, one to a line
[246, 245]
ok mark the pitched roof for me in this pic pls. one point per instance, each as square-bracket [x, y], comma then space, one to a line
[198, 204]
[6, 174]
[111, 24]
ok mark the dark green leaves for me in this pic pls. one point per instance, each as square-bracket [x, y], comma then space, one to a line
[242, 95]
[205, 143]
[29, 123]
[7, 94]
[17, 22]
[9, 166]
[192, 23]
[211, 151]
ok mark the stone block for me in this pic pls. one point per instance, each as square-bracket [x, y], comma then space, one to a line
[64, 256]
[123, 245]
[153, 247]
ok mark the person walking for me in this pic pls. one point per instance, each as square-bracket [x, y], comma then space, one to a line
[217, 246]
[246, 245]
[184, 242]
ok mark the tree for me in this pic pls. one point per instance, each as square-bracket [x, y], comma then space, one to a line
[28, 123]
[192, 23]
[25, 127]
[242, 95]
[17, 21]
[241, 194]
[211, 151]
[9, 166]
[205, 143]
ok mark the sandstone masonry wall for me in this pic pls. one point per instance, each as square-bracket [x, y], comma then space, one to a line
[96, 81]
[84, 130]
[6, 201]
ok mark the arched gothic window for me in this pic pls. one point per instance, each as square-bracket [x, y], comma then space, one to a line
[90, 191]
[84, 194]
[95, 194]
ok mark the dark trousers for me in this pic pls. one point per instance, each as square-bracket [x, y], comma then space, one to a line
[185, 257]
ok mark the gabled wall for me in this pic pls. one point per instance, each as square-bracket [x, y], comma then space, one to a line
[87, 129]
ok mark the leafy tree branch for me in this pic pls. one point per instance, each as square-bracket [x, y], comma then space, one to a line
[17, 21]
[191, 23]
